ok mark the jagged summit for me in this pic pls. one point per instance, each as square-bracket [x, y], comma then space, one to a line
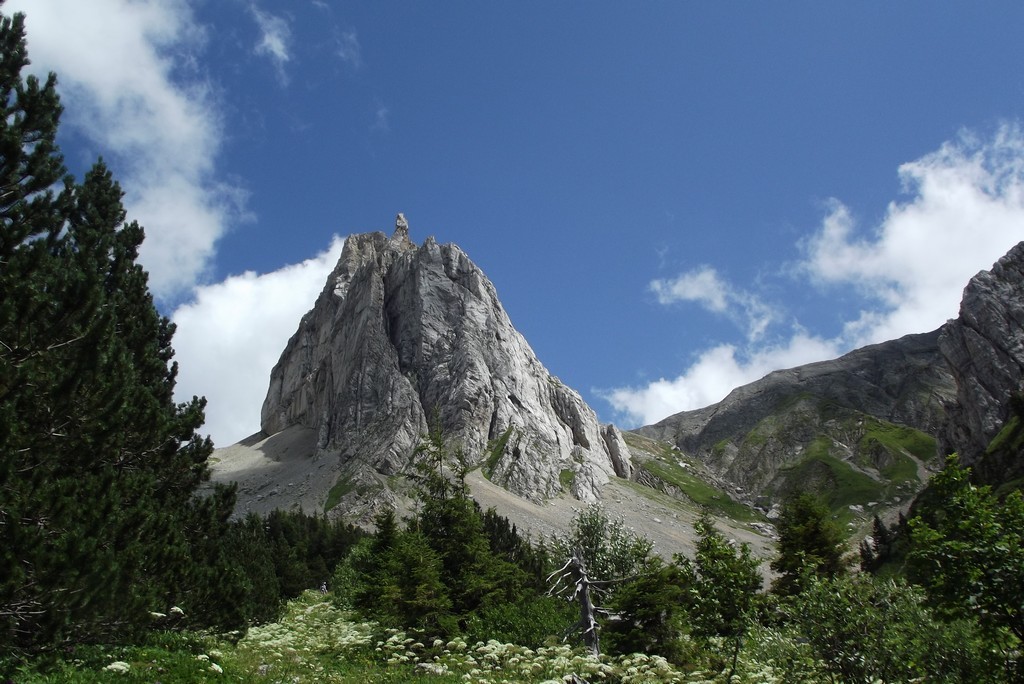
[984, 348]
[405, 335]
[851, 422]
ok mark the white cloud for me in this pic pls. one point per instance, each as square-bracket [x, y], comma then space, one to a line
[704, 286]
[701, 285]
[349, 49]
[381, 119]
[275, 40]
[232, 333]
[120, 65]
[714, 374]
[964, 210]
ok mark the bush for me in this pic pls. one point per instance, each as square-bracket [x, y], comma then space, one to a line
[531, 622]
[864, 629]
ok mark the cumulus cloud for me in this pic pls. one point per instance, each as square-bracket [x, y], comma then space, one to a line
[121, 66]
[700, 285]
[963, 209]
[233, 332]
[715, 373]
[275, 40]
[705, 287]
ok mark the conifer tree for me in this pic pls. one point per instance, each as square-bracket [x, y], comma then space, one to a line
[99, 467]
[809, 543]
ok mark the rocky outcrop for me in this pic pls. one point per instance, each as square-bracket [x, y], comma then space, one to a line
[405, 337]
[954, 385]
[824, 424]
[984, 348]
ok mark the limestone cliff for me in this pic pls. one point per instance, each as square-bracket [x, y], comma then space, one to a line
[404, 337]
[984, 348]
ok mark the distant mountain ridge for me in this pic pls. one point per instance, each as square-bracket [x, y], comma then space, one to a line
[809, 426]
[404, 338]
[874, 420]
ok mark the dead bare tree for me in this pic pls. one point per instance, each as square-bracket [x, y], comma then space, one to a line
[573, 582]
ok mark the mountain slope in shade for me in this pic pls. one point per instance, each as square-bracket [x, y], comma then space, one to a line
[859, 429]
[865, 429]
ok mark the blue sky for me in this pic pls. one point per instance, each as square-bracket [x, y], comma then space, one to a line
[671, 198]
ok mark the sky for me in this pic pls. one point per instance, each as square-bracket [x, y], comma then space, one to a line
[672, 199]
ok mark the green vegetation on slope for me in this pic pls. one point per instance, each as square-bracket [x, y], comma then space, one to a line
[1010, 438]
[345, 486]
[663, 462]
[900, 438]
[496, 449]
[699, 491]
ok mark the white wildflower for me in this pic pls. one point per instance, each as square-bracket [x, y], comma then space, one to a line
[118, 666]
[214, 667]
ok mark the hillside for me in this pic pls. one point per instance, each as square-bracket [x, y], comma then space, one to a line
[405, 337]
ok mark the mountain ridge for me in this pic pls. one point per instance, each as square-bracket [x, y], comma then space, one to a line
[404, 339]
[407, 338]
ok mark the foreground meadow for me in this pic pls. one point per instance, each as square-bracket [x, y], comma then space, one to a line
[316, 642]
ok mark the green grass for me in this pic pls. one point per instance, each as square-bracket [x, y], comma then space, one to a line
[345, 486]
[664, 466]
[638, 444]
[837, 481]
[656, 496]
[719, 449]
[757, 437]
[698, 491]
[902, 469]
[566, 478]
[495, 450]
[1010, 438]
[342, 487]
[899, 438]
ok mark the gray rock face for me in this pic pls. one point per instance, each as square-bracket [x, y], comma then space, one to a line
[953, 384]
[402, 337]
[781, 431]
[984, 347]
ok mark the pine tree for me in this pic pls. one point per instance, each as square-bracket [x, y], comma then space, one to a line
[99, 467]
[809, 543]
[650, 610]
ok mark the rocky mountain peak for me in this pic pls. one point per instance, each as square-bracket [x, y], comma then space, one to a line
[405, 337]
[984, 348]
